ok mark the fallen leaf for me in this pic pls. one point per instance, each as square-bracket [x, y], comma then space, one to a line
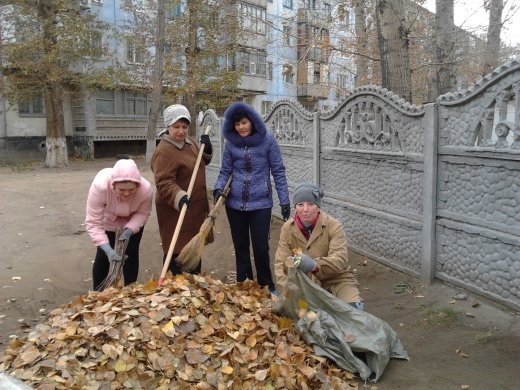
[120, 366]
[195, 356]
[227, 370]
[260, 375]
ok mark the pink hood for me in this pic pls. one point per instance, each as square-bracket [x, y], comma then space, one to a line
[126, 170]
[105, 212]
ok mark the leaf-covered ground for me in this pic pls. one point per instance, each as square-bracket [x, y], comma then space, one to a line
[192, 332]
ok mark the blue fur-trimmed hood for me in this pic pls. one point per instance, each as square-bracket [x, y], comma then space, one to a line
[228, 127]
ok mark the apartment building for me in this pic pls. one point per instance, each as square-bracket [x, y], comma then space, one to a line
[288, 51]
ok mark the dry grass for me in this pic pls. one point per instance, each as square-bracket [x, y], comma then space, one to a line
[437, 316]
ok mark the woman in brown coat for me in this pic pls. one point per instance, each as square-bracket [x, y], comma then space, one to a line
[172, 164]
[323, 246]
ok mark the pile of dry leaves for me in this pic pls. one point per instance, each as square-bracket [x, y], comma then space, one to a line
[192, 332]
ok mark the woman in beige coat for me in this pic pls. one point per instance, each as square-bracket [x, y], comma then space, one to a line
[323, 245]
[173, 163]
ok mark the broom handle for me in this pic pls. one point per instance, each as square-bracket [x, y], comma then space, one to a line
[222, 198]
[184, 208]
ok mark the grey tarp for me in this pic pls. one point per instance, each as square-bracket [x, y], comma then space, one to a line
[355, 340]
[7, 382]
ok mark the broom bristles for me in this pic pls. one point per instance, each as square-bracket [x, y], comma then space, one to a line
[190, 255]
[116, 269]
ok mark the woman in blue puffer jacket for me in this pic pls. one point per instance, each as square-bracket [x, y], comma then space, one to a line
[251, 155]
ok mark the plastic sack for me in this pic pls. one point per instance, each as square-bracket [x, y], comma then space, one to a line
[9, 383]
[355, 340]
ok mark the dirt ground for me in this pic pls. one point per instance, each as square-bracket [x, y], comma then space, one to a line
[46, 259]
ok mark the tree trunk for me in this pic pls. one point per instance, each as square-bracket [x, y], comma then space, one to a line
[361, 43]
[56, 142]
[190, 100]
[393, 43]
[492, 55]
[157, 80]
[446, 75]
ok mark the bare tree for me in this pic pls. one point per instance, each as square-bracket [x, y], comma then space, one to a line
[446, 74]
[394, 47]
[361, 42]
[492, 54]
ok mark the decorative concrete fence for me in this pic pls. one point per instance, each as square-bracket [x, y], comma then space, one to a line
[432, 191]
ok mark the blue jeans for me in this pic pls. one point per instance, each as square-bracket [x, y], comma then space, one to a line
[255, 226]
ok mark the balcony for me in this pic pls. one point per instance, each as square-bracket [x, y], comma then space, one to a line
[255, 84]
[314, 17]
[313, 91]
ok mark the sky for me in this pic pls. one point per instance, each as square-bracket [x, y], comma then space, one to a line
[470, 15]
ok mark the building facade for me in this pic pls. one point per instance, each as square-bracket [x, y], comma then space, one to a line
[288, 51]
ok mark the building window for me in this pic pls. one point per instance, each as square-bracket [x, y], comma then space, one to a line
[269, 30]
[253, 63]
[229, 61]
[35, 106]
[287, 4]
[136, 103]
[287, 73]
[105, 102]
[174, 12]
[309, 4]
[344, 15]
[269, 70]
[134, 53]
[286, 35]
[253, 18]
[342, 80]
[266, 106]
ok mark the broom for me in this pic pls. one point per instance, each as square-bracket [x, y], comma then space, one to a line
[190, 255]
[116, 268]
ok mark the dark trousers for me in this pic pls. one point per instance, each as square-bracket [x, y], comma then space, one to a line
[258, 224]
[131, 267]
[174, 268]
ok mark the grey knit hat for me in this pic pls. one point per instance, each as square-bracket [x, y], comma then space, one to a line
[307, 192]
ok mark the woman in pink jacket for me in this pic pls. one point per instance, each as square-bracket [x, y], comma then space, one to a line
[119, 198]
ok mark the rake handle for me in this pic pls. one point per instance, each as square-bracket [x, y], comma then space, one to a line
[182, 214]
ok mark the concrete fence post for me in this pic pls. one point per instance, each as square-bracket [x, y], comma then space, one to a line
[430, 126]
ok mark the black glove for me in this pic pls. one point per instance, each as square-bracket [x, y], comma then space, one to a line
[184, 200]
[286, 211]
[217, 193]
[204, 140]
